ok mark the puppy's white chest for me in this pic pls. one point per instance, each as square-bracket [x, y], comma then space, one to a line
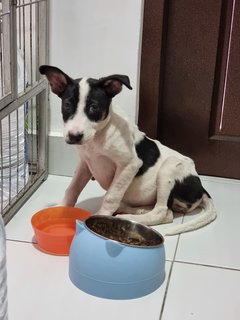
[101, 166]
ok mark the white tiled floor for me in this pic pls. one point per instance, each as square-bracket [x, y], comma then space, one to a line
[202, 269]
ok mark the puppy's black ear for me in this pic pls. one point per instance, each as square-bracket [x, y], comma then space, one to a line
[113, 84]
[57, 79]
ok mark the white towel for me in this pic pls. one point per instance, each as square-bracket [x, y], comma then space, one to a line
[14, 145]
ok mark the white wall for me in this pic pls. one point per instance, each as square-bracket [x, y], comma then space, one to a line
[96, 38]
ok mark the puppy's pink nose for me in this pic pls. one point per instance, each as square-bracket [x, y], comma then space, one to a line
[74, 138]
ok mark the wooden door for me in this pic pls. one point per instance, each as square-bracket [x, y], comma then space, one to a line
[190, 81]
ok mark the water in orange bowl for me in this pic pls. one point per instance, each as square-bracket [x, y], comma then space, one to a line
[55, 228]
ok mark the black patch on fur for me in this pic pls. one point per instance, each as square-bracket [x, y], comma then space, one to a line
[70, 99]
[189, 190]
[97, 103]
[148, 152]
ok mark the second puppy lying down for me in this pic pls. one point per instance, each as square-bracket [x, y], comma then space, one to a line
[144, 179]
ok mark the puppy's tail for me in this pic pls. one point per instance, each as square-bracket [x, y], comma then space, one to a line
[208, 215]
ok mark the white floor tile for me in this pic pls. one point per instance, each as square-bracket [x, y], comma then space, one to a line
[50, 193]
[170, 241]
[202, 293]
[218, 243]
[39, 288]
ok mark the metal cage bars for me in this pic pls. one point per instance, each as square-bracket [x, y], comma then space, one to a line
[23, 101]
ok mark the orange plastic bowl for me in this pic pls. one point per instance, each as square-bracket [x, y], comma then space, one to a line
[55, 228]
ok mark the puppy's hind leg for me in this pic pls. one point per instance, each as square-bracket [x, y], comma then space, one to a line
[128, 212]
[165, 182]
[126, 209]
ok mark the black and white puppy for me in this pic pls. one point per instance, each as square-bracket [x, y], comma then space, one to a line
[144, 180]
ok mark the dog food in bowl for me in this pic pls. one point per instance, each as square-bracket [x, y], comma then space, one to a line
[127, 232]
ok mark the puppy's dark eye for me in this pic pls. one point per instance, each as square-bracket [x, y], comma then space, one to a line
[93, 108]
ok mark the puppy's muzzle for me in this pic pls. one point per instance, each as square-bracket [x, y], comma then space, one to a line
[74, 138]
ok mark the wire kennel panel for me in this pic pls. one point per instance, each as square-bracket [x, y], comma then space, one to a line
[23, 120]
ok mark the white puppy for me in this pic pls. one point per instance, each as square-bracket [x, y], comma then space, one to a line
[145, 180]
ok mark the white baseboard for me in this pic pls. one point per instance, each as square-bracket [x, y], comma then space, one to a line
[62, 158]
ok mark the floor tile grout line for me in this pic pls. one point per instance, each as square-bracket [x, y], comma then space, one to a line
[169, 276]
[166, 291]
[207, 265]
[21, 241]
[168, 282]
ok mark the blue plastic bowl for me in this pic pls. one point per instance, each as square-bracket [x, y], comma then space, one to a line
[112, 269]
